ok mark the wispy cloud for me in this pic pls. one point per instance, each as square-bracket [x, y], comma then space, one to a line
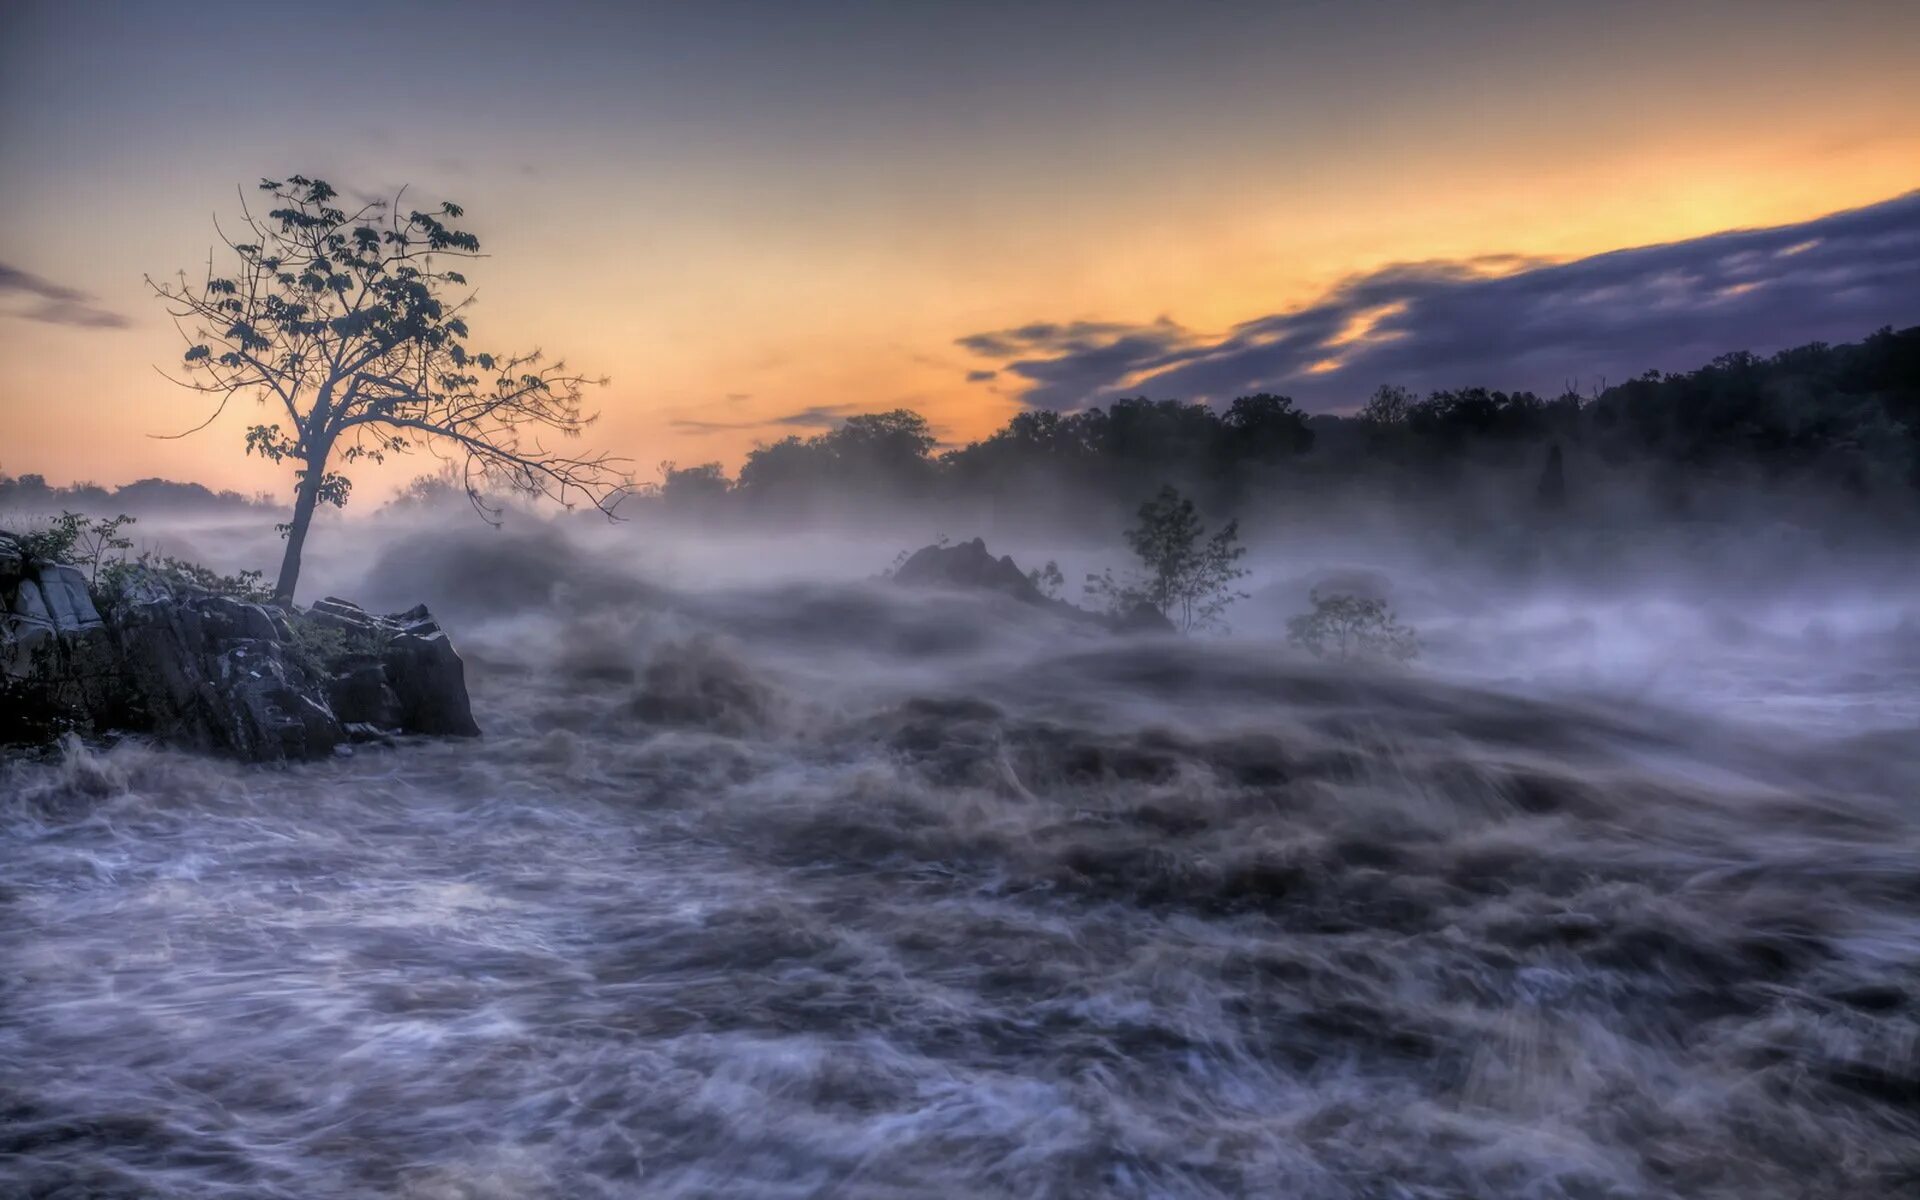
[54, 303]
[820, 416]
[1505, 321]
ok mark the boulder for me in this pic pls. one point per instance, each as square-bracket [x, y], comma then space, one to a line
[969, 566]
[428, 677]
[52, 646]
[400, 673]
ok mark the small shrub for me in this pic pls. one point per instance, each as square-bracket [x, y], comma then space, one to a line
[55, 542]
[1349, 628]
[74, 540]
[900, 559]
[1048, 580]
[1186, 579]
[116, 577]
[321, 648]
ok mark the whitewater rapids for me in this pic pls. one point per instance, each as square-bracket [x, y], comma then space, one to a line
[836, 891]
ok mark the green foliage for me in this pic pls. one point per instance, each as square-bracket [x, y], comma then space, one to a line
[900, 559]
[321, 647]
[888, 452]
[1347, 628]
[178, 574]
[1187, 576]
[78, 542]
[55, 542]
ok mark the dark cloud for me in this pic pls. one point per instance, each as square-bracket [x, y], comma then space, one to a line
[55, 304]
[1067, 363]
[1506, 321]
[820, 416]
[981, 376]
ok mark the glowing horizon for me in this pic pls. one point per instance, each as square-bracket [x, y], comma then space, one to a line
[756, 220]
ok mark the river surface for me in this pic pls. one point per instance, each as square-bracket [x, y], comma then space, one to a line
[811, 891]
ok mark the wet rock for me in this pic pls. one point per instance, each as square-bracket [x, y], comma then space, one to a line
[215, 674]
[399, 672]
[361, 696]
[427, 676]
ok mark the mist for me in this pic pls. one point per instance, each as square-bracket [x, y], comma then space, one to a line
[774, 877]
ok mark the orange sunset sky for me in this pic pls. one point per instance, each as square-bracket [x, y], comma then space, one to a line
[754, 217]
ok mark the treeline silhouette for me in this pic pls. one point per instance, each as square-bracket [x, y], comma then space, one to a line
[1833, 426]
[33, 495]
[1818, 433]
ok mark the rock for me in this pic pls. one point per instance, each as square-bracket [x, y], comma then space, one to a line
[428, 677]
[360, 695]
[401, 672]
[1142, 618]
[43, 601]
[212, 672]
[968, 565]
[52, 647]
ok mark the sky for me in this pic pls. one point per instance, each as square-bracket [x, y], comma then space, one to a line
[756, 218]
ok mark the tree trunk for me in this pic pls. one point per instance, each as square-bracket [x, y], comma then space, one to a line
[305, 499]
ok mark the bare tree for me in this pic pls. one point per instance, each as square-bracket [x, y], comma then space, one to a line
[351, 324]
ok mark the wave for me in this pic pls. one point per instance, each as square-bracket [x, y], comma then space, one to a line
[829, 890]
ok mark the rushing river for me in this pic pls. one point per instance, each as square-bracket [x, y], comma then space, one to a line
[834, 891]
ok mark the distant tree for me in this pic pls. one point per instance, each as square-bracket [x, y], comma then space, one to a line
[692, 487]
[886, 452]
[1388, 406]
[348, 322]
[1348, 628]
[1264, 428]
[1188, 577]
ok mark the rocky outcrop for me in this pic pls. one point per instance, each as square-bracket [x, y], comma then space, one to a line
[49, 631]
[399, 672]
[215, 673]
[970, 566]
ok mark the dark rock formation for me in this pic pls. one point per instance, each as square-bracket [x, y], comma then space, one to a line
[215, 673]
[969, 566]
[1141, 618]
[399, 672]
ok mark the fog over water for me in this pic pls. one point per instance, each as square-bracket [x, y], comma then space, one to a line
[771, 879]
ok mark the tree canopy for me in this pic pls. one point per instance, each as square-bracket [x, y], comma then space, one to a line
[348, 323]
